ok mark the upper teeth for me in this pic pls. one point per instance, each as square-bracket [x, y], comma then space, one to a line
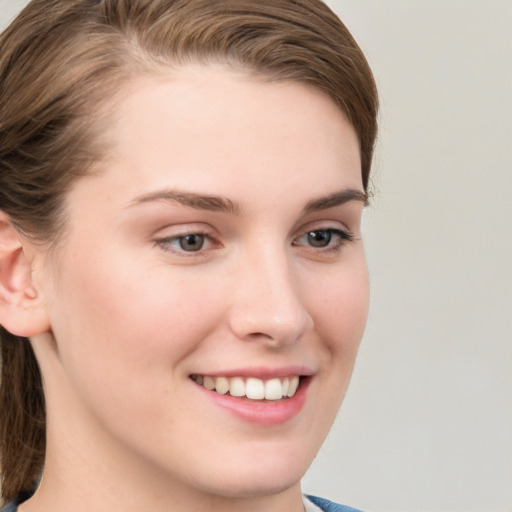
[253, 388]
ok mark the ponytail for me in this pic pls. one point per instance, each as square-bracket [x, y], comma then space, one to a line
[22, 417]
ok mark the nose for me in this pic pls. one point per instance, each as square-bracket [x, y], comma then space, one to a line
[268, 305]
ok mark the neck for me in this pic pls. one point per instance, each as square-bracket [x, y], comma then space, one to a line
[62, 493]
[84, 476]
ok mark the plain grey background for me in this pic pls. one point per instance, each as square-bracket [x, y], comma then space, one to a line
[427, 423]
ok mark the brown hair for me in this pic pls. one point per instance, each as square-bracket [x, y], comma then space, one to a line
[62, 62]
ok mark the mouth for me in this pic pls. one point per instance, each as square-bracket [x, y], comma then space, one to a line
[251, 387]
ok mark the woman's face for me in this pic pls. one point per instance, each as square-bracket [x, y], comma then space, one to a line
[218, 242]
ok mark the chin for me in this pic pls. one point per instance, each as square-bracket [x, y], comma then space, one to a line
[256, 486]
[259, 475]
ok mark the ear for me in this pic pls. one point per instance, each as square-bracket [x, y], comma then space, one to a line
[22, 310]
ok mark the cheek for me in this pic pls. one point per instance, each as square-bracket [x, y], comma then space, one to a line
[342, 311]
[116, 317]
[124, 335]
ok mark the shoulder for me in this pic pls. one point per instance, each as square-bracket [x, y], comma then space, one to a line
[329, 506]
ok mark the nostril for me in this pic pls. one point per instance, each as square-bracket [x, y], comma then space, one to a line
[269, 340]
[259, 335]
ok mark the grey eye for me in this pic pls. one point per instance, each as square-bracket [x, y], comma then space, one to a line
[191, 243]
[319, 238]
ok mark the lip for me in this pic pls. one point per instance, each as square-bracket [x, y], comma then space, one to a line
[264, 373]
[260, 412]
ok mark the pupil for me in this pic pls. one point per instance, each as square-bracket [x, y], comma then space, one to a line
[192, 242]
[319, 238]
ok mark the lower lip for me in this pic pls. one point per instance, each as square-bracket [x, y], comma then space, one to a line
[264, 413]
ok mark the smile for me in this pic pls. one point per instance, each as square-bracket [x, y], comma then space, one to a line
[251, 387]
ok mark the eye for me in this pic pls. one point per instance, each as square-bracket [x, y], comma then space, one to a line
[191, 243]
[319, 238]
[186, 243]
[324, 238]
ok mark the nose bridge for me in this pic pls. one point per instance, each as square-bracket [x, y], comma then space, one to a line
[268, 304]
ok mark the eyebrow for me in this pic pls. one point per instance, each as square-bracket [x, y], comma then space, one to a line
[225, 205]
[192, 200]
[336, 199]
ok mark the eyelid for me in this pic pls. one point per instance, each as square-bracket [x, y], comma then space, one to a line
[164, 241]
[344, 236]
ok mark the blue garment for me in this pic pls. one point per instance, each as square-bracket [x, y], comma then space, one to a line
[10, 507]
[325, 505]
[329, 506]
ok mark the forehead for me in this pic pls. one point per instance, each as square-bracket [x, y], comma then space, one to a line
[220, 132]
[198, 112]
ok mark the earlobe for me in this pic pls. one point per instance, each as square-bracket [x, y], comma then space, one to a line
[22, 309]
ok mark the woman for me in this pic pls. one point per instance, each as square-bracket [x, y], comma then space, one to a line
[183, 286]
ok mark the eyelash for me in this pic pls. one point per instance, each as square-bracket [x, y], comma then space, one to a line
[166, 243]
[338, 236]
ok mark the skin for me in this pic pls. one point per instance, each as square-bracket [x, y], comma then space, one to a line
[131, 315]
